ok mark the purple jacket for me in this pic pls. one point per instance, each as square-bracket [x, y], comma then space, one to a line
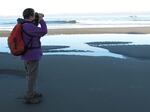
[31, 36]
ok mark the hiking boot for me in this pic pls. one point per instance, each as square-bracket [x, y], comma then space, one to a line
[34, 95]
[32, 100]
[39, 95]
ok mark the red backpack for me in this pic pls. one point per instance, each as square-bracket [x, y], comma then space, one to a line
[16, 43]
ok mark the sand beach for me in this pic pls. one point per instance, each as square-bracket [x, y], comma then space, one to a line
[102, 30]
[82, 83]
[76, 83]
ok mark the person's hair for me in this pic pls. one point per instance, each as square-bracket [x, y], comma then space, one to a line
[28, 12]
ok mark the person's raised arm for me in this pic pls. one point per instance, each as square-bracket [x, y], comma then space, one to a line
[33, 30]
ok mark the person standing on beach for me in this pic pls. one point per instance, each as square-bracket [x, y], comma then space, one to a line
[31, 35]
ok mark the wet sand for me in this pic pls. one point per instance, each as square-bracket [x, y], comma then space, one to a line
[128, 50]
[79, 84]
[82, 83]
[130, 30]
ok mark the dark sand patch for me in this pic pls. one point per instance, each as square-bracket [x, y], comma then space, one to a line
[49, 48]
[97, 44]
[125, 48]
[57, 49]
[53, 47]
[135, 51]
[70, 51]
[135, 33]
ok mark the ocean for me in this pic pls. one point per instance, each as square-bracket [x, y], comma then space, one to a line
[95, 20]
[77, 44]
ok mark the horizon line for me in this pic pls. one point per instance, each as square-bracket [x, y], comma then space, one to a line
[101, 13]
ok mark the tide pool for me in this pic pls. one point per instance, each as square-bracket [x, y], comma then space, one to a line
[77, 44]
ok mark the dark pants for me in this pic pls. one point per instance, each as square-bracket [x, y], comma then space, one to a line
[32, 68]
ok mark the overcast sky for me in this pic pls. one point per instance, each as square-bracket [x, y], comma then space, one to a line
[15, 7]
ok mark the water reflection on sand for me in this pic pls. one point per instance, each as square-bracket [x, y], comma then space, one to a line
[81, 44]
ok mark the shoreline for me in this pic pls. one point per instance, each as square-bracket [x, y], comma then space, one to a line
[103, 30]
